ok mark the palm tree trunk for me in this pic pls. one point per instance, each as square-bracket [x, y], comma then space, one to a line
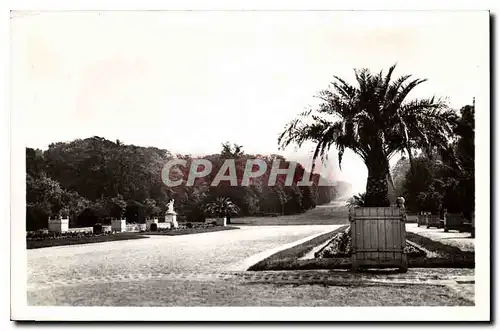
[376, 184]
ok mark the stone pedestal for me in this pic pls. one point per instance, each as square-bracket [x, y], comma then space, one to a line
[151, 221]
[119, 225]
[221, 221]
[164, 225]
[59, 225]
[171, 217]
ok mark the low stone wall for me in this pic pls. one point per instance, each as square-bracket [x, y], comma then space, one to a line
[164, 225]
[411, 218]
[105, 228]
[59, 225]
[87, 229]
[220, 221]
[135, 227]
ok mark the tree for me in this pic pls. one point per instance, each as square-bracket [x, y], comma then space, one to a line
[46, 194]
[465, 153]
[445, 180]
[398, 174]
[151, 208]
[229, 151]
[221, 207]
[375, 120]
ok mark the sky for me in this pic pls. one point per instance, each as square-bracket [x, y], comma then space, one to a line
[188, 81]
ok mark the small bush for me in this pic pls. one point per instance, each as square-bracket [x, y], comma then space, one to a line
[189, 225]
[153, 227]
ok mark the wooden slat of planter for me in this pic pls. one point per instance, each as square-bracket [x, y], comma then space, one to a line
[397, 250]
[378, 217]
[381, 237]
[378, 235]
[360, 237]
[376, 239]
[397, 238]
[368, 237]
[390, 238]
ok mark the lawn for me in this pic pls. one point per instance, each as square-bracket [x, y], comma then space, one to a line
[186, 231]
[31, 244]
[451, 256]
[289, 259]
[321, 215]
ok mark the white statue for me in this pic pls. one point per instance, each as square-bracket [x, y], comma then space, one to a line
[170, 206]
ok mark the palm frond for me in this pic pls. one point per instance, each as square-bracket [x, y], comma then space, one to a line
[375, 119]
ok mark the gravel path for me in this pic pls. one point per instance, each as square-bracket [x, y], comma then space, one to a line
[205, 252]
[457, 239]
[228, 293]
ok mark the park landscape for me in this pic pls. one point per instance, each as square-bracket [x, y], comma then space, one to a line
[114, 242]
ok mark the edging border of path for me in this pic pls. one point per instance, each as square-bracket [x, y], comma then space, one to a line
[308, 277]
[250, 261]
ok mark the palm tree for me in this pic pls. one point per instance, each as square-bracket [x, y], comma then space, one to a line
[221, 207]
[375, 120]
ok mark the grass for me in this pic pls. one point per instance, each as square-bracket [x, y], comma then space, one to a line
[186, 231]
[32, 244]
[288, 259]
[452, 257]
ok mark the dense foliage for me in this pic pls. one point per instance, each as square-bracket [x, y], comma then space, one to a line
[357, 200]
[444, 180]
[95, 180]
[221, 207]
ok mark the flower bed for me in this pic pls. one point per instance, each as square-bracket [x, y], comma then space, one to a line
[45, 234]
[189, 228]
[53, 239]
[340, 246]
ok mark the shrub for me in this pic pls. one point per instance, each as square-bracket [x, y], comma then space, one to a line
[357, 200]
[221, 207]
[189, 225]
[153, 227]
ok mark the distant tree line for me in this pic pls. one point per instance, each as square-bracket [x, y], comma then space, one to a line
[96, 180]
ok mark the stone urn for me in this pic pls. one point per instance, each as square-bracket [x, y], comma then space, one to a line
[400, 202]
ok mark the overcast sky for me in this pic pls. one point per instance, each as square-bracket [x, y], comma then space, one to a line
[187, 81]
